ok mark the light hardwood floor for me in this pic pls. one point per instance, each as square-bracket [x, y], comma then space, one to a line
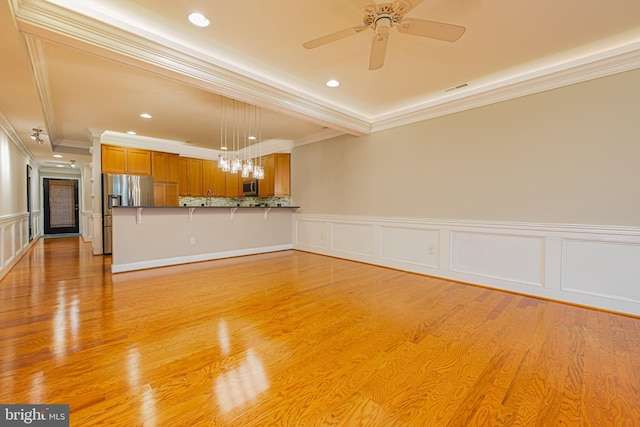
[297, 339]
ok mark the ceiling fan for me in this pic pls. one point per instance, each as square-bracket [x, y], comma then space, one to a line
[383, 15]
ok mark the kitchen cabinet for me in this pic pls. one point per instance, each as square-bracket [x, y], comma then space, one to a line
[190, 177]
[165, 194]
[123, 160]
[164, 167]
[277, 176]
[233, 185]
[213, 178]
[165, 178]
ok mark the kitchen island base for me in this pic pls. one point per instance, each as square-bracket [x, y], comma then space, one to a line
[150, 237]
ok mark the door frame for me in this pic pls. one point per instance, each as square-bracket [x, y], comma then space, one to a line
[29, 202]
[46, 208]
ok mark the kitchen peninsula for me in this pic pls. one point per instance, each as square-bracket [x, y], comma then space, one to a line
[149, 237]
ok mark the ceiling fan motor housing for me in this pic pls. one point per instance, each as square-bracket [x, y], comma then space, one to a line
[383, 15]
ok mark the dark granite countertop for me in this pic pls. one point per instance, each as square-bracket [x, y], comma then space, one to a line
[207, 207]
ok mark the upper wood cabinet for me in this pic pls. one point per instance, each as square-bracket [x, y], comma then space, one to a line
[233, 184]
[164, 167]
[190, 177]
[277, 176]
[213, 179]
[123, 160]
[165, 178]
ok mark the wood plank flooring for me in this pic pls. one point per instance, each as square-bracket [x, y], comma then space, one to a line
[297, 339]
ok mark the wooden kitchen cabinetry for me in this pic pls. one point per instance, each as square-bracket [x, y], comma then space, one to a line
[123, 160]
[165, 178]
[190, 177]
[277, 176]
[213, 178]
[233, 185]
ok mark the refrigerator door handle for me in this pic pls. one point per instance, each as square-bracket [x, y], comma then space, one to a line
[117, 199]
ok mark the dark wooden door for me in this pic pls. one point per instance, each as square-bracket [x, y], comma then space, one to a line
[60, 206]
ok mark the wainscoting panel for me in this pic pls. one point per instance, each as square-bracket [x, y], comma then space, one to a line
[609, 269]
[311, 233]
[14, 239]
[595, 266]
[411, 245]
[499, 256]
[352, 238]
[87, 226]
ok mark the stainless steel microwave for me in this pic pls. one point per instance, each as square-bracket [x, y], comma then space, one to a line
[250, 187]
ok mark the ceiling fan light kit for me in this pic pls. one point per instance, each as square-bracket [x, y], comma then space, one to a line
[36, 136]
[381, 17]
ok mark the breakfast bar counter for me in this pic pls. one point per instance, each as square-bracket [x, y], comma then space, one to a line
[150, 236]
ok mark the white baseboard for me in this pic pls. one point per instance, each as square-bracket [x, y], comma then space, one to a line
[595, 266]
[120, 268]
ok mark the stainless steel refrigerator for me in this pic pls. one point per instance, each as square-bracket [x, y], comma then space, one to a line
[122, 190]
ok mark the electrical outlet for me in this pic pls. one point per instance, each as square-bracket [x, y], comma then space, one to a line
[193, 240]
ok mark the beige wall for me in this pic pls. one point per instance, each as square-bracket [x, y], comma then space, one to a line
[568, 156]
[13, 179]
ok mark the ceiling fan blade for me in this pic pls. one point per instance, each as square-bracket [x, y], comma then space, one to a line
[378, 50]
[431, 29]
[311, 44]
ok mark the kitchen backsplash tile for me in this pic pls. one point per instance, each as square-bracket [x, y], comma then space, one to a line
[244, 201]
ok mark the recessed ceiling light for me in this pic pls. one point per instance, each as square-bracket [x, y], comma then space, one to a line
[145, 115]
[58, 156]
[198, 19]
[131, 132]
[252, 138]
[333, 83]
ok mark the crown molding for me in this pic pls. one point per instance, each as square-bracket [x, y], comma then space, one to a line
[123, 43]
[514, 85]
[40, 73]
[51, 22]
[316, 137]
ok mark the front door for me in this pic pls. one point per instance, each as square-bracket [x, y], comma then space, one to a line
[60, 206]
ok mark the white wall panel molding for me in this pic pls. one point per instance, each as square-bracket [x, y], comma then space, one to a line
[589, 265]
[14, 240]
[508, 257]
[87, 226]
[607, 268]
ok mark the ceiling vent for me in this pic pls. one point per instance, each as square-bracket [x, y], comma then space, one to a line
[452, 88]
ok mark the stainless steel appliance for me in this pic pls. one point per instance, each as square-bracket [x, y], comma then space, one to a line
[250, 187]
[122, 190]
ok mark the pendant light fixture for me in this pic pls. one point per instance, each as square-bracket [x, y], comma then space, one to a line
[239, 122]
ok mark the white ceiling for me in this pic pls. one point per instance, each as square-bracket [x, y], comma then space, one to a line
[77, 67]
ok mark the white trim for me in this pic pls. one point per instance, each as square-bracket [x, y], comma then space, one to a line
[120, 268]
[533, 80]
[40, 73]
[47, 20]
[136, 47]
[528, 258]
[14, 228]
